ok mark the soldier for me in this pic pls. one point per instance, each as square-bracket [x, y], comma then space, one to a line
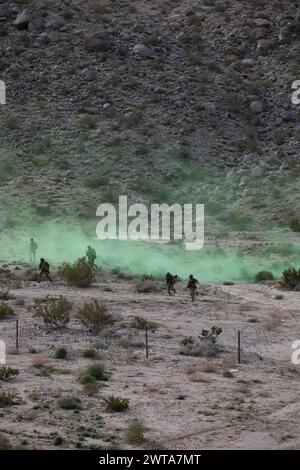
[192, 286]
[91, 256]
[32, 250]
[170, 281]
[44, 270]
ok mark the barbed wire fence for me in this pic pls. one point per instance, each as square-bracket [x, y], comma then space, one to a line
[243, 341]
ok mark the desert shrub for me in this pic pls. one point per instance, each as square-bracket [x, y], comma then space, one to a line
[141, 323]
[60, 353]
[295, 225]
[78, 274]
[94, 373]
[90, 388]
[146, 286]
[58, 441]
[5, 444]
[69, 402]
[187, 340]
[212, 335]
[6, 311]
[95, 317]
[8, 373]
[200, 349]
[135, 432]
[30, 275]
[86, 378]
[290, 278]
[54, 311]
[4, 294]
[114, 403]
[264, 276]
[98, 371]
[206, 347]
[89, 353]
[130, 342]
[8, 399]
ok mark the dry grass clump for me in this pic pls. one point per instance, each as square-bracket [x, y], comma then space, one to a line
[245, 307]
[273, 321]
[208, 367]
[95, 316]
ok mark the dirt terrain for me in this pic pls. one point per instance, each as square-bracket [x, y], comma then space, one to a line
[183, 402]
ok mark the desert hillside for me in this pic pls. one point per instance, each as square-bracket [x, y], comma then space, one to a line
[174, 101]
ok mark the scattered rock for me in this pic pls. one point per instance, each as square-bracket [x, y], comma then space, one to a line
[143, 51]
[257, 107]
[98, 41]
[265, 45]
[31, 19]
[260, 33]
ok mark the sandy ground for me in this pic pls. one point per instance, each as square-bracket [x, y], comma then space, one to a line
[184, 402]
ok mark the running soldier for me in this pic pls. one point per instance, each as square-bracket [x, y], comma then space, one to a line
[170, 281]
[91, 256]
[192, 286]
[32, 250]
[44, 270]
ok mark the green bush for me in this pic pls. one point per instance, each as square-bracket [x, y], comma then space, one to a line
[93, 374]
[135, 432]
[211, 335]
[187, 340]
[295, 225]
[95, 317]
[7, 373]
[264, 276]
[60, 353]
[114, 403]
[58, 441]
[6, 311]
[290, 278]
[86, 378]
[89, 353]
[54, 311]
[68, 402]
[78, 274]
[98, 371]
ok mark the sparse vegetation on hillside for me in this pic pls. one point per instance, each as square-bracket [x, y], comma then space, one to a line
[78, 274]
[54, 311]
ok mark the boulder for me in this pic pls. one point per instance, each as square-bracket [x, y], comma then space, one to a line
[260, 33]
[257, 107]
[262, 23]
[24, 17]
[264, 44]
[142, 51]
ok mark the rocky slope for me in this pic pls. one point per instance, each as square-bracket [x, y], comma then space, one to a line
[185, 100]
